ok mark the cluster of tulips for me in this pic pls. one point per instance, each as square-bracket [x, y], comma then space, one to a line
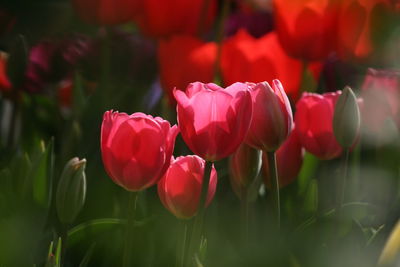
[243, 119]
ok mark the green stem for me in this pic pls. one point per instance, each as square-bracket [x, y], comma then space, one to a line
[181, 245]
[275, 185]
[198, 220]
[129, 228]
[342, 181]
[244, 207]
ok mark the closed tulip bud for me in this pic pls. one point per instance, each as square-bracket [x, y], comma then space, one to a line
[71, 190]
[214, 121]
[244, 167]
[346, 118]
[136, 149]
[180, 188]
[272, 116]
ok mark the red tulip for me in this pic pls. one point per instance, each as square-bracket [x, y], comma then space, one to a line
[246, 59]
[180, 188]
[359, 21]
[106, 12]
[244, 167]
[214, 121]
[192, 60]
[381, 95]
[136, 149]
[306, 29]
[313, 119]
[160, 18]
[272, 118]
[289, 159]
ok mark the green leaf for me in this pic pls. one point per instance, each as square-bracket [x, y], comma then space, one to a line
[58, 253]
[311, 198]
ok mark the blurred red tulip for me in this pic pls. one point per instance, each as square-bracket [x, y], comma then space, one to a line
[247, 59]
[244, 167]
[192, 60]
[5, 84]
[358, 22]
[272, 118]
[136, 149]
[106, 12]
[313, 119]
[160, 18]
[306, 29]
[289, 158]
[214, 121]
[381, 95]
[180, 188]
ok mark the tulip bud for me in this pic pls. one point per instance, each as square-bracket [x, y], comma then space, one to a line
[71, 190]
[244, 167]
[346, 118]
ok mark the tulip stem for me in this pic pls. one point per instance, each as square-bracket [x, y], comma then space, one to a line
[245, 216]
[181, 245]
[198, 220]
[132, 202]
[275, 185]
[342, 181]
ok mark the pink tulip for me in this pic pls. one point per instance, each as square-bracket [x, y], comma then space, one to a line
[136, 149]
[214, 121]
[314, 118]
[272, 116]
[180, 188]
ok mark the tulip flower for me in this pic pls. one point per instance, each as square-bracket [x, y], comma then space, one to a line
[306, 29]
[289, 158]
[192, 60]
[180, 188]
[160, 18]
[272, 118]
[381, 93]
[106, 12]
[136, 149]
[247, 59]
[314, 119]
[244, 167]
[214, 121]
[358, 23]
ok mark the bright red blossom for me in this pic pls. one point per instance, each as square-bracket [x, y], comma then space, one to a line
[192, 60]
[214, 121]
[160, 18]
[306, 29]
[313, 119]
[180, 188]
[136, 149]
[247, 59]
